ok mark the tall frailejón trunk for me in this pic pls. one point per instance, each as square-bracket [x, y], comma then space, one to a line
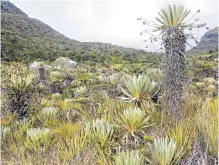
[174, 67]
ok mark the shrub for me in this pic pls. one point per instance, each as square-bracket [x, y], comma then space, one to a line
[38, 137]
[19, 91]
[48, 113]
[56, 96]
[113, 79]
[182, 134]
[132, 122]
[80, 91]
[24, 125]
[5, 131]
[71, 148]
[209, 81]
[154, 74]
[207, 121]
[140, 90]
[100, 131]
[55, 82]
[164, 151]
[129, 158]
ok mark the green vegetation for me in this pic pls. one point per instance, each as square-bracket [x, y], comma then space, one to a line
[109, 109]
[140, 90]
[171, 23]
[164, 151]
[133, 123]
[89, 123]
[129, 158]
[27, 39]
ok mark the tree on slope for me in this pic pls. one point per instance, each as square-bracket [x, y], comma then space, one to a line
[172, 23]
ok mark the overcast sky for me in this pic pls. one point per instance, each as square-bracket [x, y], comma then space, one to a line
[110, 21]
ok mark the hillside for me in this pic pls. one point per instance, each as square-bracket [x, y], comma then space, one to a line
[8, 7]
[28, 39]
[110, 106]
[208, 43]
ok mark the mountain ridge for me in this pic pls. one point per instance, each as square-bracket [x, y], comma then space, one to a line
[28, 39]
[8, 7]
[208, 43]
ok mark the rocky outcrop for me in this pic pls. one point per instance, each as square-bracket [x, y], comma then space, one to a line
[8, 7]
[36, 65]
[65, 63]
[208, 43]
